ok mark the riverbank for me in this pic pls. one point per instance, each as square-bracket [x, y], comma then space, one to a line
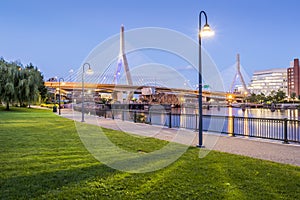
[256, 148]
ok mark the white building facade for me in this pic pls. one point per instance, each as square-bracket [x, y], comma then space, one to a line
[266, 81]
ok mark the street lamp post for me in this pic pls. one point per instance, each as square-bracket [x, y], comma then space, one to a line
[89, 71]
[203, 32]
[59, 112]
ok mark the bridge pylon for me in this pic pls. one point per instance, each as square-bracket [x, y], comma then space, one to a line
[123, 63]
[238, 75]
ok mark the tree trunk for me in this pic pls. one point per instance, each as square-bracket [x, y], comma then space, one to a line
[7, 106]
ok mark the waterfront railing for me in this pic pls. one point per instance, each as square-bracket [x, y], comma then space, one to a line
[284, 129]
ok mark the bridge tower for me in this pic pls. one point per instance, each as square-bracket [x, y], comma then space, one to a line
[123, 63]
[238, 75]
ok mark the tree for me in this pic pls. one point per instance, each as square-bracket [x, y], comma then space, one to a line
[18, 84]
[252, 98]
[293, 96]
[8, 80]
[43, 91]
[261, 98]
[279, 96]
[23, 91]
[35, 84]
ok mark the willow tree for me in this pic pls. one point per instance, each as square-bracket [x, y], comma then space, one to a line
[30, 85]
[9, 77]
[33, 83]
[23, 91]
[18, 84]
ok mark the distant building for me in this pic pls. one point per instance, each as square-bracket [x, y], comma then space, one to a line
[239, 89]
[266, 81]
[293, 73]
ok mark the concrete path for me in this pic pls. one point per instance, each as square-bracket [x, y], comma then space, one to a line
[256, 148]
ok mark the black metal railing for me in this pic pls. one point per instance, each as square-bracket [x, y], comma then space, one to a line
[276, 129]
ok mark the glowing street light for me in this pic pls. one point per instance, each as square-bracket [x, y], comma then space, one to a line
[203, 32]
[206, 31]
[89, 71]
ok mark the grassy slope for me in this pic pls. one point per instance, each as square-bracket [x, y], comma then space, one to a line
[42, 157]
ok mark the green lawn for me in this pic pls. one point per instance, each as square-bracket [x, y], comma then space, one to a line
[42, 157]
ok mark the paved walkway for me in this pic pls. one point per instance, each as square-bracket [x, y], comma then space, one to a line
[256, 148]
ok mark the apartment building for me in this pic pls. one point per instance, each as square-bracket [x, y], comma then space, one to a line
[293, 77]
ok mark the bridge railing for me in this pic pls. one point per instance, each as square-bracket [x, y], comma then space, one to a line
[268, 128]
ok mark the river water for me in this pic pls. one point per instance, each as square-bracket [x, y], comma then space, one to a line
[249, 112]
[252, 122]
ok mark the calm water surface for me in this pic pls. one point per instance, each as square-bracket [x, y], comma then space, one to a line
[249, 112]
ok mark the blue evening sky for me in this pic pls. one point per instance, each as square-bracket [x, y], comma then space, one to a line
[58, 35]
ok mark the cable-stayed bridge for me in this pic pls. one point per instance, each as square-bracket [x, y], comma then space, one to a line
[118, 81]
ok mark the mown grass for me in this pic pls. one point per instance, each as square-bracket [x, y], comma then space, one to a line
[42, 157]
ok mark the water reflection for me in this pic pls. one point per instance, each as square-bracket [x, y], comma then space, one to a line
[254, 112]
[251, 122]
[265, 126]
[246, 123]
[293, 114]
[230, 121]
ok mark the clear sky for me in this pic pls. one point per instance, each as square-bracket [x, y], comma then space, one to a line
[58, 35]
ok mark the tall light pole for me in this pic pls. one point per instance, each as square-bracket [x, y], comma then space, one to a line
[59, 112]
[202, 32]
[89, 71]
